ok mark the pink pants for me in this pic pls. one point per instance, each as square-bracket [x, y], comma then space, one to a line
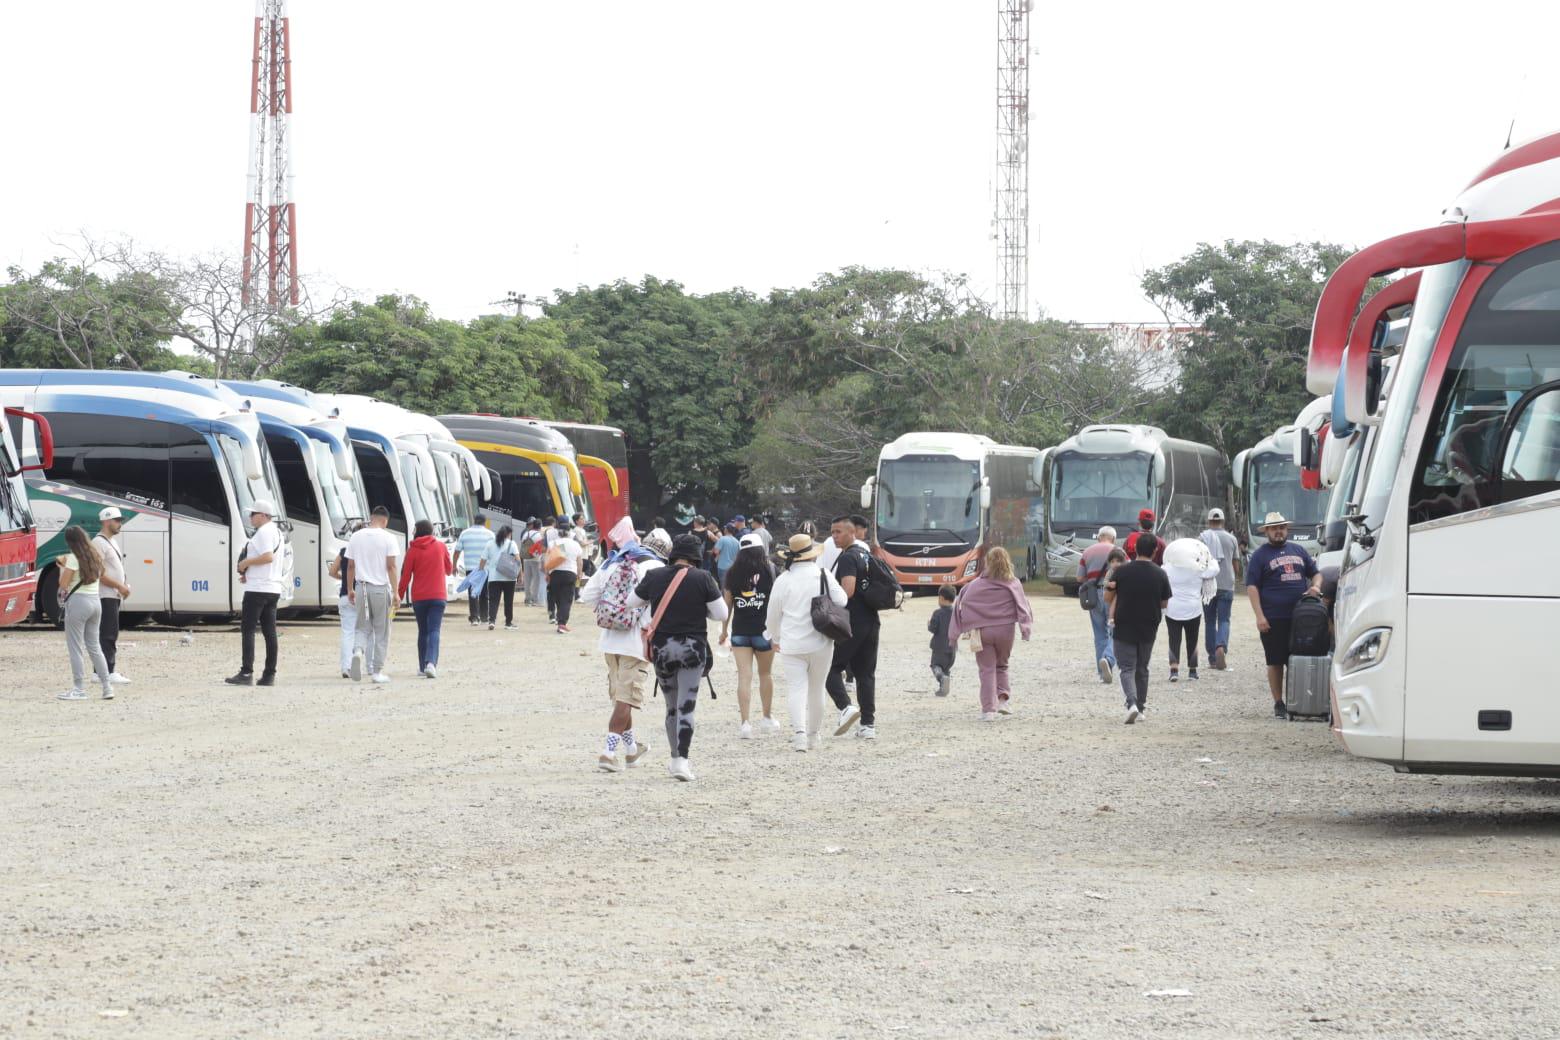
[992, 659]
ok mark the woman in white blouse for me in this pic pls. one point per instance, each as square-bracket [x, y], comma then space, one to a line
[805, 653]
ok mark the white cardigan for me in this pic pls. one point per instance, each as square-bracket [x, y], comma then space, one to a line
[790, 608]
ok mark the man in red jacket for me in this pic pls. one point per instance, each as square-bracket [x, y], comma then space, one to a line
[428, 564]
[1145, 526]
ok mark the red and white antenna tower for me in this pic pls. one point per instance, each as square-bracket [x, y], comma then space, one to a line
[1012, 217]
[270, 221]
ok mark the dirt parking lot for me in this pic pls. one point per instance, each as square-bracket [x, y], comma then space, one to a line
[441, 859]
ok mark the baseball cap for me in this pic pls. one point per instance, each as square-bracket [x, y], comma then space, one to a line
[739, 519]
[109, 513]
[1215, 514]
[262, 505]
[748, 541]
[1145, 515]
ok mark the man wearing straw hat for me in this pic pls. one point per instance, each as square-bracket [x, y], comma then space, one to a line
[1277, 575]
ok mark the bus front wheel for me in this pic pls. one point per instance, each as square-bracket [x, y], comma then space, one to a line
[48, 599]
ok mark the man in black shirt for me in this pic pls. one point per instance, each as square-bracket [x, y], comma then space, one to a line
[859, 652]
[1137, 595]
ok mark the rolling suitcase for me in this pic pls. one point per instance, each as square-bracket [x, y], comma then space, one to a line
[1306, 686]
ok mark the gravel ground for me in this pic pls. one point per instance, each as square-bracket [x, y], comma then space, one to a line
[440, 858]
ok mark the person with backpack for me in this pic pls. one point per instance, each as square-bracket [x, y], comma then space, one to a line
[1216, 613]
[531, 549]
[682, 600]
[1092, 565]
[1145, 526]
[806, 654]
[1277, 575]
[854, 570]
[260, 572]
[747, 588]
[81, 570]
[1138, 593]
[503, 566]
[428, 564]
[988, 608]
[621, 642]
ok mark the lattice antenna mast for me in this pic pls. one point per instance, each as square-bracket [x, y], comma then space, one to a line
[270, 221]
[1012, 218]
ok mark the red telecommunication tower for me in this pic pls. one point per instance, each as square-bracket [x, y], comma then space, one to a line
[270, 220]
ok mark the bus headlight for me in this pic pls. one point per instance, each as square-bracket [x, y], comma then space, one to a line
[969, 568]
[1365, 652]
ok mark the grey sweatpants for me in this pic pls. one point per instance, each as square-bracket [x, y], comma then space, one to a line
[532, 582]
[1133, 660]
[679, 669]
[373, 625]
[83, 615]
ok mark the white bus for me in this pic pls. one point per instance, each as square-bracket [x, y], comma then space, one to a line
[1451, 573]
[940, 500]
[182, 459]
[1267, 479]
[1104, 475]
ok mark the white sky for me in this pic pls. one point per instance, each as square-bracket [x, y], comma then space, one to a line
[463, 149]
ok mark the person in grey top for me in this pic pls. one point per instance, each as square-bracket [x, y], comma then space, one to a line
[1216, 612]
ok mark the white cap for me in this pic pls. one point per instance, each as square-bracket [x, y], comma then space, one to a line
[748, 541]
[1215, 514]
[109, 513]
[263, 505]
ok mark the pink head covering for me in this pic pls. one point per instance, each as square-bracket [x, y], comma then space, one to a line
[622, 533]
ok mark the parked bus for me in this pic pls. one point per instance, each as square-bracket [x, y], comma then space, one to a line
[182, 459]
[1267, 479]
[1436, 669]
[322, 485]
[18, 531]
[603, 460]
[940, 500]
[1104, 475]
[537, 467]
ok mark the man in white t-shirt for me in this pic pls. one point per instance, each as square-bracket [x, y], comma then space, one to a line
[373, 558]
[260, 571]
[112, 589]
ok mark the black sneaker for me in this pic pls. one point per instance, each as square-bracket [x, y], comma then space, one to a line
[241, 679]
[266, 680]
[1175, 676]
[1279, 711]
[1191, 673]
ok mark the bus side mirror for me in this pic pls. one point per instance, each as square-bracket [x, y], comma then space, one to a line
[1159, 469]
[985, 496]
[1037, 471]
[1334, 536]
[1238, 471]
[866, 493]
[45, 439]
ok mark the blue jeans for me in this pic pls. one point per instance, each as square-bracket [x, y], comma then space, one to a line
[1216, 621]
[1100, 616]
[430, 618]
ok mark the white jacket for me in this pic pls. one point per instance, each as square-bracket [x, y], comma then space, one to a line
[790, 608]
[629, 642]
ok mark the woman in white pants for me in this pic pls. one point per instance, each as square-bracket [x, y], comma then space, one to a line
[805, 653]
[347, 611]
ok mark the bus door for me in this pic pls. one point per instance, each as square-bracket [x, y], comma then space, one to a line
[201, 552]
[1484, 506]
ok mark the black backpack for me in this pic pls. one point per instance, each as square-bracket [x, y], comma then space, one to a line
[1310, 628]
[878, 589]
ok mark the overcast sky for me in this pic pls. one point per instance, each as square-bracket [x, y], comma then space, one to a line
[465, 149]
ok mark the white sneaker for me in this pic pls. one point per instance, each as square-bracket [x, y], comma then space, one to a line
[745, 731]
[867, 733]
[1107, 673]
[848, 717]
[681, 770]
[431, 672]
[108, 693]
[815, 742]
[381, 678]
[1133, 714]
[768, 727]
[988, 716]
[1005, 707]
[609, 763]
[356, 671]
[73, 695]
[798, 742]
[115, 677]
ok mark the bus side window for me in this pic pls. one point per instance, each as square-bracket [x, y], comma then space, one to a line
[118, 455]
[197, 485]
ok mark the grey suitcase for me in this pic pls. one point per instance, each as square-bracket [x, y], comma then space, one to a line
[1306, 686]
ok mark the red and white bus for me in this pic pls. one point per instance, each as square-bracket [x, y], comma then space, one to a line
[602, 455]
[18, 530]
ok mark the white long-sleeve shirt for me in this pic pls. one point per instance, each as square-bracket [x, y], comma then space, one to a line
[789, 622]
[629, 642]
[1186, 592]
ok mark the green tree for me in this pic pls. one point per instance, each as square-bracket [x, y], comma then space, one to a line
[1243, 375]
[69, 315]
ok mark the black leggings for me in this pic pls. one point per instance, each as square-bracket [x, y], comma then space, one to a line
[1190, 629]
[560, 593]
[496, 590]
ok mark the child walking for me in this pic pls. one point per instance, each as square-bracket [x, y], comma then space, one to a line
[944, 650]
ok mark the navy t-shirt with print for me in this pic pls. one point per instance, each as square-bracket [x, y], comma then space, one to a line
[1280, 574]
[750, 604]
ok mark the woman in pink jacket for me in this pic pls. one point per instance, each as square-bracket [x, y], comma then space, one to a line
[989, 607]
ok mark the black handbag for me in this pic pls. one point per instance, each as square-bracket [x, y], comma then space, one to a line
[828, 616]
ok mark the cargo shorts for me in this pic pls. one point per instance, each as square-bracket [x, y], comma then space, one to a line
[628, 679]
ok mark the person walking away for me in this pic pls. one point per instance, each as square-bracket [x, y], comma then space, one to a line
[112, 589]
[748, 585]
[345, 609]
[81, 569]
[503, 566]
[712, 536]
[806, 654]
[659, 532]
[471, 549]
[1145, 526]
[726, 548]
[622, 641]
[1138, 592]
[428, 565]
[681, 598]
[531, 551]
[1216, 614]
[859, 652]
[992, 604]
[260, 572]
[1092, 565]
[1277, 575]
[372, 573]
[944, 647]
[1190, 567]
[563, 576]
[761, 529]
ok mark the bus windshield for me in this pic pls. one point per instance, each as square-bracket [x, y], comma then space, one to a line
[571, 503]
[411, 476]
[457, 498]
[1090, 491]
[927, 498]
[248, 491]
[1275, 487]
[343, 498]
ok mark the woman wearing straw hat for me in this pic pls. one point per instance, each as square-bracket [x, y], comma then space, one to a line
[1277, 575]
[805, 653]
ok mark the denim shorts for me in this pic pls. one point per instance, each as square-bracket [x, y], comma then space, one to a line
[758, 643]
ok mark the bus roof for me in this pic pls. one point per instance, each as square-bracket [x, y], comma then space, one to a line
[170, 398]
[602, 442]
[968, 446]
[532, 434]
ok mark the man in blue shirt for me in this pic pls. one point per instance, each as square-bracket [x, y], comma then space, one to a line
[474, 546]
[726, 548]
[1277, 575]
